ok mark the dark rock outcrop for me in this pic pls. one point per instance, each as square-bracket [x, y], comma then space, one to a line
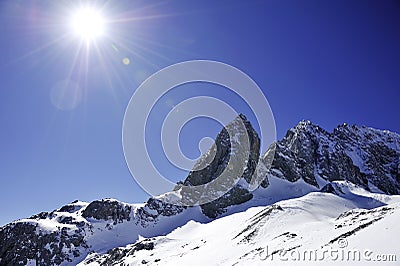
[222, 153]
[23, 241]
[108, 210]
[154, 209]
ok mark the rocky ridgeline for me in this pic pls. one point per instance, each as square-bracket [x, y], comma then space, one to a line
[364, 156]
[361, 155]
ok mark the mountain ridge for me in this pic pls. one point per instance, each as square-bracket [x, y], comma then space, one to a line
[308, 159]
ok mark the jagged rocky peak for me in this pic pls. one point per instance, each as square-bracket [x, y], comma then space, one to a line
[302, 128]
[360, 135]
[219, 154]
[305, 124]
[365, 156]
[217, 161]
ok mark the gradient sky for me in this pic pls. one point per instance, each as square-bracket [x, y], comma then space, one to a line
[325, 61]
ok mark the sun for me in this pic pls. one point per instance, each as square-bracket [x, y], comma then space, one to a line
[88, 23]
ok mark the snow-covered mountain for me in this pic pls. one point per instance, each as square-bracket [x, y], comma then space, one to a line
[322, 187]
[349, 225]
[365, 156]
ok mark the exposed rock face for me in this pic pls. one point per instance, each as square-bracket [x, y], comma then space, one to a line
[116, 255]
[235, 196]
[154, 209]
[108, 210]
[222, 146]
[23, 241]
[222, 149]
[361, 155]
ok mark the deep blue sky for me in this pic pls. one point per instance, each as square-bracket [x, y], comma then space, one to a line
[326, 61]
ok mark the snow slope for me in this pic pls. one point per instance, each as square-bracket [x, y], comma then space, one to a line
[316, 228]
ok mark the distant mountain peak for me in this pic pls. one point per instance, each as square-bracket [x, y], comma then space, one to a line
[304, 126]
[362, 155]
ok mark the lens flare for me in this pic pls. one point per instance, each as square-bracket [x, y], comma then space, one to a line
[126, 61]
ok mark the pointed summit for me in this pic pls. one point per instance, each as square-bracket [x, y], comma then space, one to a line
[218, 159]
[307, 125]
